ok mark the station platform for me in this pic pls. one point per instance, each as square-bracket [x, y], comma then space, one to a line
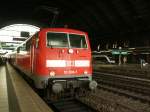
[4, 107]
[16, 95]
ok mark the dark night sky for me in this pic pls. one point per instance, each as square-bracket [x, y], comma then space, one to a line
[102, 19]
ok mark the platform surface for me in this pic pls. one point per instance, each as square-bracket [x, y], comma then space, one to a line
[27, 99]
[4, 107]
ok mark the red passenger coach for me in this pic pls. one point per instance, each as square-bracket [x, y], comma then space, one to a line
[56, 57]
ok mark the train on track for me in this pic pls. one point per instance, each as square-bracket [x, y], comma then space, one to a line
[56, 58]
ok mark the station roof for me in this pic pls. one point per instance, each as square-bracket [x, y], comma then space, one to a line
[98, 17]
[13, 35]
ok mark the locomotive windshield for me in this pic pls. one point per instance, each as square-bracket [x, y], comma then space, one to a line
[66, 40]
[57, 40]
[77, 41]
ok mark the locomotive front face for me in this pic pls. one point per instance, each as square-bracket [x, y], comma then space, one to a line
[64, 57]
[68, 55]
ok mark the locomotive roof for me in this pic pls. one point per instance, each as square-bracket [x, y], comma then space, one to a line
[68, 30]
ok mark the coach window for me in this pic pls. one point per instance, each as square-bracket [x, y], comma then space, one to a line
[28, 44]
[23, 47]
[18, 49]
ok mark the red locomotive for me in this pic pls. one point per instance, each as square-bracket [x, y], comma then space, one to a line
[59, 57]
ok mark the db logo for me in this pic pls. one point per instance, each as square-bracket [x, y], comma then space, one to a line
[70, 63]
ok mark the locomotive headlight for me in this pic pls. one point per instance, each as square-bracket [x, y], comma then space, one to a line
[85, 72]
[93, 85]
[70, 51]
[52, 73]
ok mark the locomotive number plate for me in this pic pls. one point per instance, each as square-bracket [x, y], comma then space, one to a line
[70, 72]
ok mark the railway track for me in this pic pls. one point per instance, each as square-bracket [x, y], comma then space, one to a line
[104, 101]
[70, 105]
[130, 72]
[132, 87]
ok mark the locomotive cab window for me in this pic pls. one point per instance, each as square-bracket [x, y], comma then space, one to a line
[77, 41]
[66, 40]
[57, 40]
